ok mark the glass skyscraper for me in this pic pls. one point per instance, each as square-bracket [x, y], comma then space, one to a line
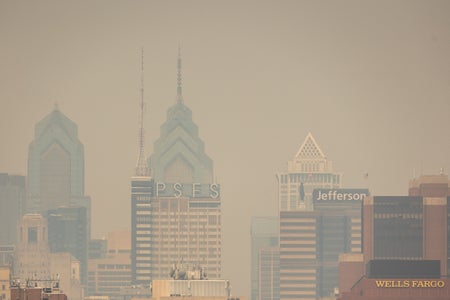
[55, 165]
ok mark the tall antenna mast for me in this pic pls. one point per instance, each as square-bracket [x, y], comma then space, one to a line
[142, 167]
[179, 78]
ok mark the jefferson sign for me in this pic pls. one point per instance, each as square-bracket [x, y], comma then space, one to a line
[333, 195]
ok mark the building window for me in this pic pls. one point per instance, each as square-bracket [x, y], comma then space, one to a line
[32, 235]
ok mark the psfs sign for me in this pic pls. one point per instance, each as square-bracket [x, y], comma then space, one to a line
[337, 195]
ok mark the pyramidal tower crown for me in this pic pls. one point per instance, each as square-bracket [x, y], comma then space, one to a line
[309, 158]
[179, 154]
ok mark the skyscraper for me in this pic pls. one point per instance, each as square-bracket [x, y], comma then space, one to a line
[182, 220]
[309, 169]
[12, 206]
[55, 165]
[141, 207]
[56, 185]
[318, 221]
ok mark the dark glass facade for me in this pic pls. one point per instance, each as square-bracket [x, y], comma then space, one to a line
[398, 227]
[68, 232]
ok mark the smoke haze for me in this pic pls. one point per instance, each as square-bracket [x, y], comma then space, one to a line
[369, 79]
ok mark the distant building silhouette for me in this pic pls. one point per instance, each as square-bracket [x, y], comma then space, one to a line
[56, 185]
[12, 206]
[264, 234]
[55, 165]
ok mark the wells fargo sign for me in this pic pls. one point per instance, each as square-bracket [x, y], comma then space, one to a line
[409, 283]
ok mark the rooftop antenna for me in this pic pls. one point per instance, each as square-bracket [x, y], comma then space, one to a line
[142, 167]
[179, 78]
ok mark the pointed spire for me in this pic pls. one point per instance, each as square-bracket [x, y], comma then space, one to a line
[179, 78]
[141, 166]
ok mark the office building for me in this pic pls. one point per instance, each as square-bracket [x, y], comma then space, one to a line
[68, 232]
[406, 245]
[32, 254]
[176, 213]
[55, 165]
[33, 260]
[34, 291]
[108, 275]
[410, 227]
[5, 278]
[269, 273]
[264, 234]
[97, 248]
[7, 255]
[309, 169]
[56, 185]
[12, 206]
[319, 220]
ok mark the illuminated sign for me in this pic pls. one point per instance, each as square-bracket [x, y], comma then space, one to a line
[410, 283]
[322, 195]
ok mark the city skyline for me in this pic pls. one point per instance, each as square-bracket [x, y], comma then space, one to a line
[368, 80]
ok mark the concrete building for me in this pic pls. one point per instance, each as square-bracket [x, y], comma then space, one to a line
[264, 234]
[7, 255]
[176, 213]
[66, 269]
[33, 260]
[309, 169]
[32, 254]
[406, 246]
[31, 291]
[12, 206]
[109, 275]
[191, 289]
[5, 278]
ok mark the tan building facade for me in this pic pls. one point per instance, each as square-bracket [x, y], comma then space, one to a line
[106, 276]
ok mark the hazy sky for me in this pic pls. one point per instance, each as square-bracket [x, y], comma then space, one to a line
[369, 79]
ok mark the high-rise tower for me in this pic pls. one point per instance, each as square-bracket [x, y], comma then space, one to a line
[56, 180]
[318, 221]
[182, 221]
[141, 206]
[187, 206]
[55, 165]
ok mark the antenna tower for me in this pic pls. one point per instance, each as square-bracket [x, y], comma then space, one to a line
[141, 167]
